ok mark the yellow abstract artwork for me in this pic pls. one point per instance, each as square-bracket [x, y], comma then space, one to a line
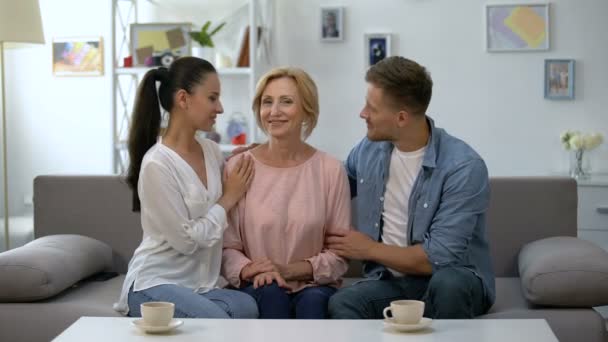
[528, 25]
[517, 27]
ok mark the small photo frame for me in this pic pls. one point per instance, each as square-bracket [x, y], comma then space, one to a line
[559, 79]
[332, 24]
[157, 44]
[377, 47]
[517, 27]
[78, 56]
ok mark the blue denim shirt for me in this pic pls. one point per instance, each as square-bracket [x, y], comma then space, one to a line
[447, 206]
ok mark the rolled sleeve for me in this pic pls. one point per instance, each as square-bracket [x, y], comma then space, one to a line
[198, 229]
[463, 202]
[327, 268]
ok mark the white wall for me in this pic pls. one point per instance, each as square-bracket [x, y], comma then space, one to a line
[494, 101]
[58, 124]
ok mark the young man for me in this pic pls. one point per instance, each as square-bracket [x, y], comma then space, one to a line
[422, 196]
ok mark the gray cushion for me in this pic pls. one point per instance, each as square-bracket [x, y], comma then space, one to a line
[49, 265]
[564, 271]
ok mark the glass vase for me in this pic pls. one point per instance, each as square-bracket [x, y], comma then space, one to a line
[579, 164]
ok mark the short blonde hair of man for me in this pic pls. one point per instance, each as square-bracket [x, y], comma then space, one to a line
[307, 90]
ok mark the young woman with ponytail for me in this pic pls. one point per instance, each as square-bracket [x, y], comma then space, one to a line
[177, 186]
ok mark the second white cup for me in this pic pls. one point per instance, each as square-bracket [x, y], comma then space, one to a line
[405, 311]
[157, 313]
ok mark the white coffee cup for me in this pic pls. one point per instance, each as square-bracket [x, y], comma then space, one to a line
[405, 311]
[157, 313]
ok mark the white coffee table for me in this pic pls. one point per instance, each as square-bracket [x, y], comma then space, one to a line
[94, 329]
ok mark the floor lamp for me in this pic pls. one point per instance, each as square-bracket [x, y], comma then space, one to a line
[20, 22]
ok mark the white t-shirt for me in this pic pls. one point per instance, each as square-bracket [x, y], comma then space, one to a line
[403, 170]
[182, 223]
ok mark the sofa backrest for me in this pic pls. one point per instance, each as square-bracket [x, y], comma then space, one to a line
[95, 206]
[522, 209]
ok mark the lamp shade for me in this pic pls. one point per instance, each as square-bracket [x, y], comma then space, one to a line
[20, 21]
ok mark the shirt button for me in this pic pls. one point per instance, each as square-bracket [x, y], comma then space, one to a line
[376, 225]
[381, 198]
[361, 181]
[425, 205]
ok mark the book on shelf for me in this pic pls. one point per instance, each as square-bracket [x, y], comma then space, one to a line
[243, 59]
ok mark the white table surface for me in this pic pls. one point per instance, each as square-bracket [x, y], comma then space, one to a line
[92, 329]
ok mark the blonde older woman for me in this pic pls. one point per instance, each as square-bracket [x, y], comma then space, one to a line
[274, 246]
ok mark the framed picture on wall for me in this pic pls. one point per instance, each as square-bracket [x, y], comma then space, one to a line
[78, 56]
[517, 27]
[377, 47]
[332, 24]
[157, 44]
[559, 79]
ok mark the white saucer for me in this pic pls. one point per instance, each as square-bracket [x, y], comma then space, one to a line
[424, 323]
[141, 325]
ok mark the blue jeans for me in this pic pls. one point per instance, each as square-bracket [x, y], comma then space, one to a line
[449, 293]
[275, 302]
[217, 303]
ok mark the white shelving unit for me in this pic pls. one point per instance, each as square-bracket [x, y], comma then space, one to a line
[125, 80]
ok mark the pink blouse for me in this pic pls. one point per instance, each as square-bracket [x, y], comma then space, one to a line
[285, 217]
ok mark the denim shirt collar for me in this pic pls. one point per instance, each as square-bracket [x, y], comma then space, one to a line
[429, 160]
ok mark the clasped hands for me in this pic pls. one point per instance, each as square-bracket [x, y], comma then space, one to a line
[264, 272]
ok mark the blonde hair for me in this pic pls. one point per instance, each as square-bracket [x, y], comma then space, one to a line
[307, 89]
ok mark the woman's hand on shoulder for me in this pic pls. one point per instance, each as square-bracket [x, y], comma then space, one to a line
[237, 182]
[241, 149]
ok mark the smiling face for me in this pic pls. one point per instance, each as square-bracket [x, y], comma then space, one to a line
[281, 110]
[203, 103]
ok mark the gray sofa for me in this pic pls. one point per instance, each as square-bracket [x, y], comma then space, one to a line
[522, 210]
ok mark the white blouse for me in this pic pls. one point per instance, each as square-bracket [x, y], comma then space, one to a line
[182, 223]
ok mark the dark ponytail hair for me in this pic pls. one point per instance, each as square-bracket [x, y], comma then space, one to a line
[185, 73]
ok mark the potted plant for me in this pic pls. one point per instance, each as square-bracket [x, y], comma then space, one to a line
[204, 39]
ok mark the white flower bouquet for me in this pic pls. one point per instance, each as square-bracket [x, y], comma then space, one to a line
[579, 143]
[574, 140]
